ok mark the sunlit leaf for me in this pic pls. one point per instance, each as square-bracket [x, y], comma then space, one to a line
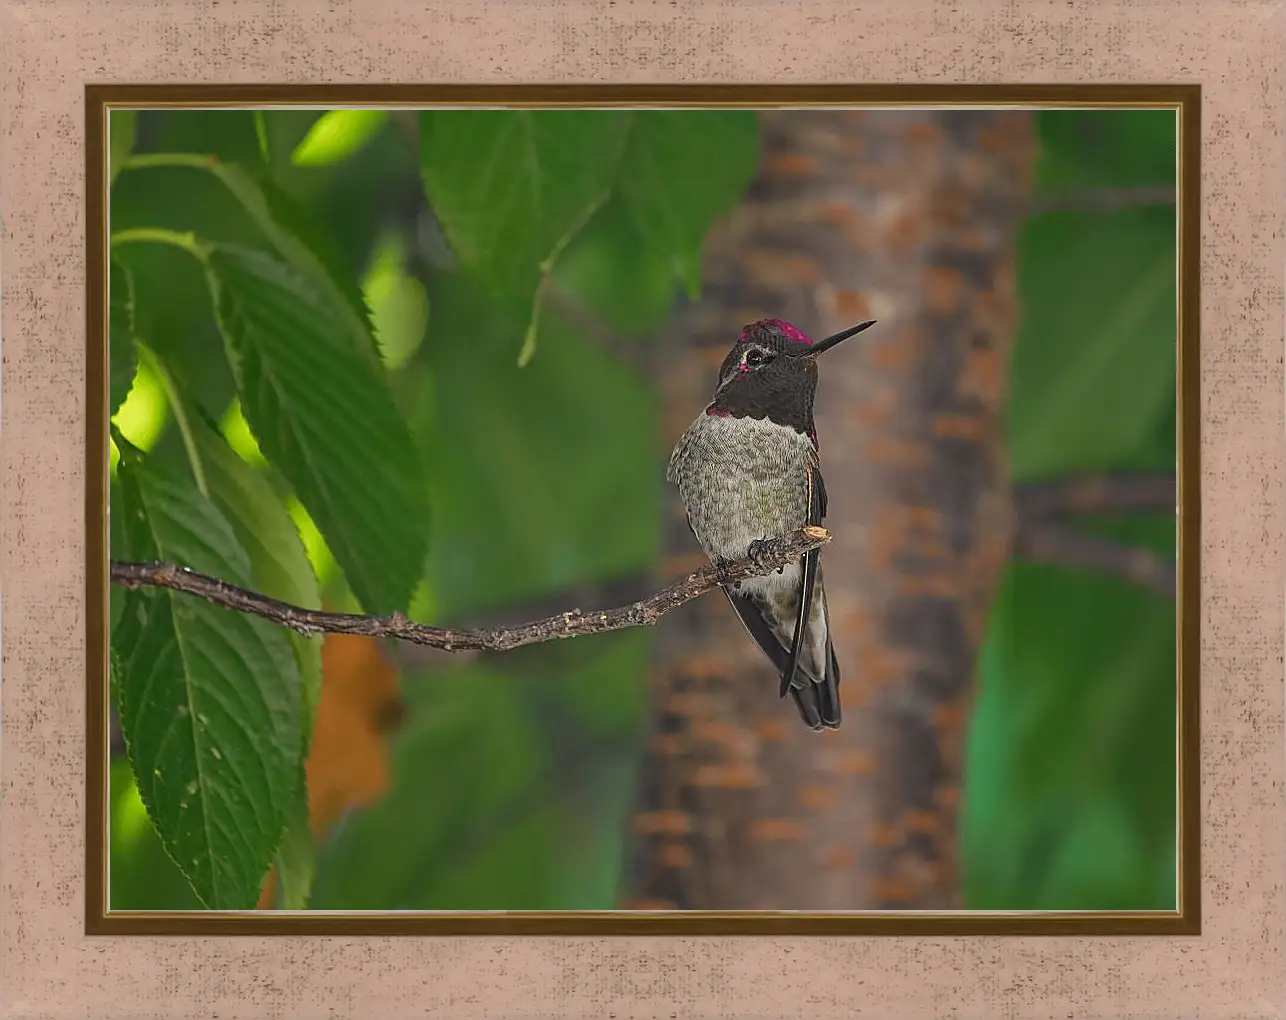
[238, 435]
[336, 135]
[122, 354]
[121, 126]
[209, 699]
[323, 415]
[144, 412]
[142, 876]
[398, 302]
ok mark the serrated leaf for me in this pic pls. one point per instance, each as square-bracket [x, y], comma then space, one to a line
[209, 699]
[276, 553]
[682, 169]
[299, 241]
[323, 414]
[121, 352]
[512, 187]
[336, 135]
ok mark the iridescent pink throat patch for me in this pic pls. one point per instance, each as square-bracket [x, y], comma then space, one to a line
[781, 326]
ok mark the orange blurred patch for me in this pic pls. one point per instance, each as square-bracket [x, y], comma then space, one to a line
[881, 834]
[960, 426]
[777, 830]
[945, 289]
[663, 823]
[725, 735]
[925, 132]
[771, 730]
[923, 822]
[790, 163]
[675, 855]
[838, 858]
[947, 797]
[893, 890]
[728, 777]
[855, 763]
[849, 304]
[818, 798]
[348, 763]
[687, 705]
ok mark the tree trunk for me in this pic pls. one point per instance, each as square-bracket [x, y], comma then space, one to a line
[910, 218]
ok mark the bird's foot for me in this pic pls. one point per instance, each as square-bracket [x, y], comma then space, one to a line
[758, 555]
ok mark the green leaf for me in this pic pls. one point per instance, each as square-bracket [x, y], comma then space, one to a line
[546, 476]
[262, 215]
[121, 127]
[337, 135]
[142, 875]
[539, 824]
[281, 570]
[323, 414]
[263, 528]
[1075, 726]
[300, 241]
[209, 698]
[122, 354]
[1083, 149]
[1093, 370]
[261, 136]
[682, 169]
[296, 859]
[511, 188]
[614, 273]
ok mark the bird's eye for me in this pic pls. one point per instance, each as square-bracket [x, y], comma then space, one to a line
[754, 357]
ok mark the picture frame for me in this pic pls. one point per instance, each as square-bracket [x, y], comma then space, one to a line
[1218, 955]
[1184, 101]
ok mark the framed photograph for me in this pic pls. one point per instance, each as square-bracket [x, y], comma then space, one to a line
[392, 397]
[830, 514]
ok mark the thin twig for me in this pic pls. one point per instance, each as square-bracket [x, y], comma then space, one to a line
[1103, 199]
[574, 623]
[1043, 542]
[1079, 495]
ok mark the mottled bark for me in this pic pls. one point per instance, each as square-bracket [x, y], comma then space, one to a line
[908, 218]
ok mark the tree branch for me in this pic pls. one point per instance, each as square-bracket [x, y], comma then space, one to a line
[1078, 495]
[1044, 542]
[574, 623]
[1103, 199]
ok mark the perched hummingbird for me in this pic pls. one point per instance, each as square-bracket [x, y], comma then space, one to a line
[748, 471]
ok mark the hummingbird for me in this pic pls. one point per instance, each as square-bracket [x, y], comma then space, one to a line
[748, 471]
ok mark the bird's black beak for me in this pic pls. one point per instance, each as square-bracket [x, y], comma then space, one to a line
[831, 341]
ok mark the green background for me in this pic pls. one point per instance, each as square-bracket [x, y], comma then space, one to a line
[513, 776]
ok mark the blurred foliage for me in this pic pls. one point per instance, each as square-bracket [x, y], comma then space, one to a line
[347, 360]
[1070, 796]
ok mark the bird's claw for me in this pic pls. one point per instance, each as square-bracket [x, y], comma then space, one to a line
[758, 555]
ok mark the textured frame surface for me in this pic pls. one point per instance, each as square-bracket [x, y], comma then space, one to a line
[1183, 100]
[50, 968]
